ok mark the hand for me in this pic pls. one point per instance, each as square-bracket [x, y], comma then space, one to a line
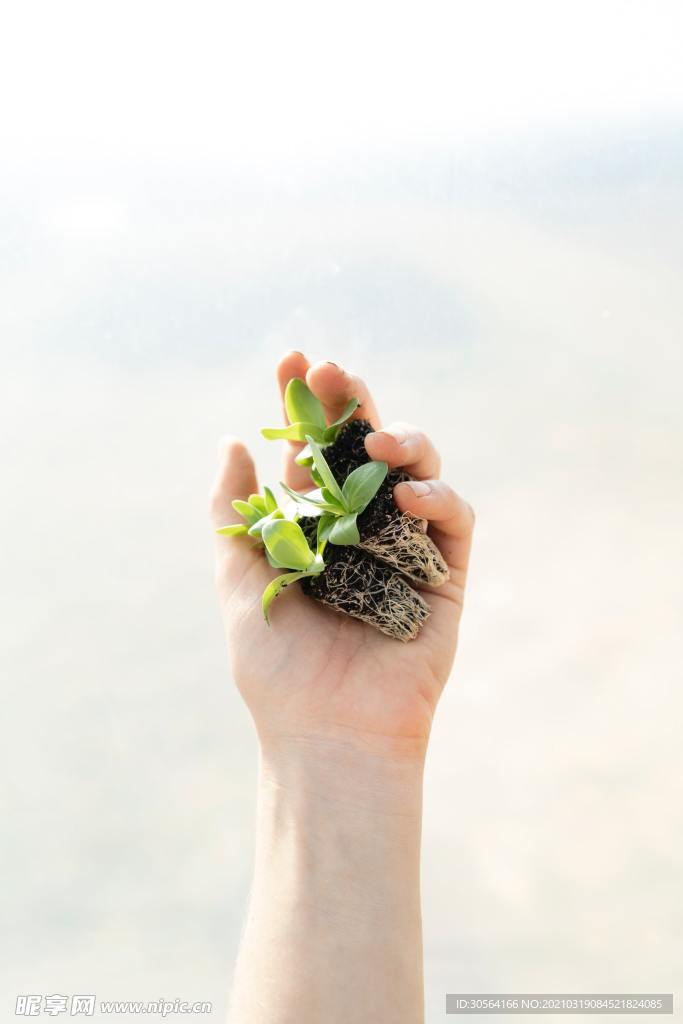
[316, 675]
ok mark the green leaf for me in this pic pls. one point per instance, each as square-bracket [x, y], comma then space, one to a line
[361, 486]
[305, 499]
[258, 502]
[325, 471]
[315, 475]
[294, 432]
[251, 514]
[271, 503]
[256, 529]
[273, 561]
[275, 586]
[332, 501]
[305, 457]
[345, 530]
[233, 530]
[287, 544]
[301, 404]
[325, 524]
[299, 497]
[349, 410]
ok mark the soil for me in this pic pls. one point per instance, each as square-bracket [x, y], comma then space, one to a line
[346, 454]
[348, 451]
[394, 537]
[369, 581]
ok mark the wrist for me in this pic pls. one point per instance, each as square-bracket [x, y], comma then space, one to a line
[308, 772]
[341, 829]
[336, 880]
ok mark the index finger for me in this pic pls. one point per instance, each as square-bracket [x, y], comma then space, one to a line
[334, 386]
[294, 364]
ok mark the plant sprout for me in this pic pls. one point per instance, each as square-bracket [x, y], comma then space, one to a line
[285, 544]
[288, 548]
[307, 418]
[339, 507]
[257, 511]
[366, 577]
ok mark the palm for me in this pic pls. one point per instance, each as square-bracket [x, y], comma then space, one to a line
[317, 672]
[316, 667]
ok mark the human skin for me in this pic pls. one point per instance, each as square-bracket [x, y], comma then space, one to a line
[343, 715]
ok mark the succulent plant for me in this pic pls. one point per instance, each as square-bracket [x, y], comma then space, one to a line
[365, 572]
[288, 548]
[339, 507]
[306, 417]
[257, 511]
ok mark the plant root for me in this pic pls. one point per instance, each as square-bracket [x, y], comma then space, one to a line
[359, 586]
[402, 544]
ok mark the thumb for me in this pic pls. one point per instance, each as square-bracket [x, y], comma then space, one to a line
[235, 478]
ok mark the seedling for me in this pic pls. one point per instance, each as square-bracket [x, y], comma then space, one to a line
[374, 549]
[339, 507]
[393, 537]
[288, 548]
[256, 512]
[307, 419]
[285, 545]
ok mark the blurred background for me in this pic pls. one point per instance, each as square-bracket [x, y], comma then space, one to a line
[480, 209]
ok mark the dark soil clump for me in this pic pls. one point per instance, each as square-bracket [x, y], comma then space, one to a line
[390, 535]
[348, 451]
[346, 454]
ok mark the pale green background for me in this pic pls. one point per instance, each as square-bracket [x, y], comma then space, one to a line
[485, 220]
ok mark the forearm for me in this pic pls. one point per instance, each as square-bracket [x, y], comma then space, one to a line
[333, 931]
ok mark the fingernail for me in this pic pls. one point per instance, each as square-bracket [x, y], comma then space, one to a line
[419, 487]
[398, 435]
[330, 363]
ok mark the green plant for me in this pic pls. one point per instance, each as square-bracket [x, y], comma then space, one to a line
[284, 541]
[287, 548]
[259, 510]
[339, 507]
[307, 418]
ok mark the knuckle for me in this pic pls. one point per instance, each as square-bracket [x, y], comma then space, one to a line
[462, 508]
[355, 385]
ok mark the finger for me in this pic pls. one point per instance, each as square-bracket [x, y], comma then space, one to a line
[293, 364]
[450, 519]
[335, 386]
[235, 478]
[402, 444]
